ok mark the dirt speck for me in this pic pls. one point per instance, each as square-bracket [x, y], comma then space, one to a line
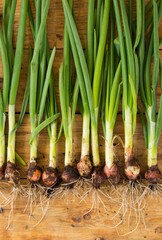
[60, 37]
[77, 218]
[1, 210]
[87, 216]
[158, 230]
[99, 238]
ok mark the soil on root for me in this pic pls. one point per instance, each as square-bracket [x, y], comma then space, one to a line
[98, 177]
[34, 172]
[132, 168]
[11, 173]
[84, 166]
[70, 174]
[2, 174]
[113, 173]
[50, 177]
[153, 174]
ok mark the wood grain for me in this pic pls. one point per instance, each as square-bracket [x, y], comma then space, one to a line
[57, 62]
[23, 148]
[55, 22]
[64, 220]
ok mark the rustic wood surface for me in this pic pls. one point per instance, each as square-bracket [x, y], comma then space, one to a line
[66, 220]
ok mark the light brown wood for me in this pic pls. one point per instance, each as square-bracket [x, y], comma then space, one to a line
[23, 148]
[66, 220]
[55, 22]
[57, 62]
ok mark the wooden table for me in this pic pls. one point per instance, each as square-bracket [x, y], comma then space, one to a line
[66, 219]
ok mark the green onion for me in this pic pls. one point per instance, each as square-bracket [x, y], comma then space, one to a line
[86, 115]
[151, 127]
[46, 104]
[110, 102]
[97, 84]
[83, 73]
[40, 103]
[33, 80]
[3, 102]
[130, 85]
[68, 108]
[15, 66]
[50, 110]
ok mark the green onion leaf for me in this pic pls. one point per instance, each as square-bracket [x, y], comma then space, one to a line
[6, 73]
[156, 46]
[20, 160]
[144, 126]
[60, 132]
[116, 107]
[42, 126]
[75, 100]
[134, 103]
[19, 52]
[26, 94]
[31, 20]
[10, 33]
[46, 85]
[114, 91]
[85, 72]
[64, 111]
[159, 122]
[139, 21]
[97, 84]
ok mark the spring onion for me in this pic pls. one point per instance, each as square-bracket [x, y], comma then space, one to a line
[3, 102]
[151, 126]
[93, 93]
[110, 102]
[37, 105]
[97, 89]
[84, 166]
[68, 101]
[130, 86]
[50, 175]
[11, 172]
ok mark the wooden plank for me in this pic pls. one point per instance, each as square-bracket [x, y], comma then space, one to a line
[55, 22]
[66, 220]
[57, 62]
[23, 148]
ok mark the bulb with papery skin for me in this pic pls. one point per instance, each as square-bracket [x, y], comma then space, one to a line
[131, 168]
[84, 166]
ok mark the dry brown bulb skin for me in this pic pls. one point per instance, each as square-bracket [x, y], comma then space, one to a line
[2, 172]
[132, 169]
[153, 174]
[98, 177]
[113, 173]
[50, 176]
[34, 172]
[84, 167]
[11, 173]
[70, 174]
